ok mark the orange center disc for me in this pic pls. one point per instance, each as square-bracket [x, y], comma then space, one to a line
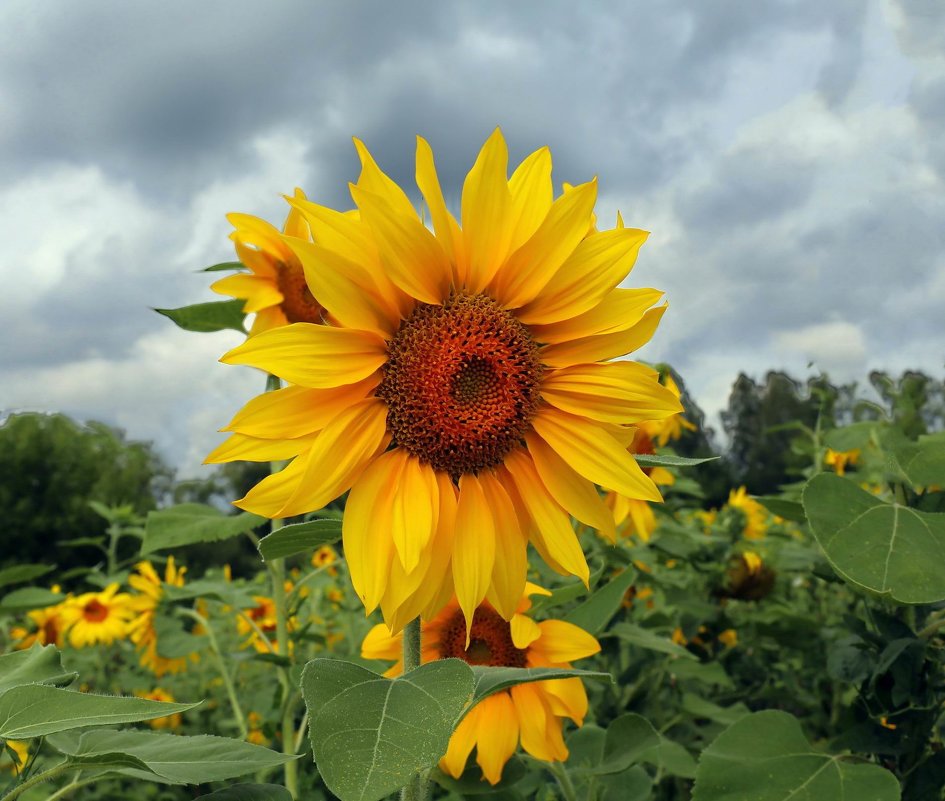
[461, 384]
[490, 640]
[95, 611]
[298, 304]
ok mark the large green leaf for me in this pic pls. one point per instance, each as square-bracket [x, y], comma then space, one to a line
[193, 522]
[20, 573]
[172, 758]
[299, 538]
[923, 462]
[852, 436]
[35, 710]
[41, 664]
[369, 734]
[766, 757]
[596, 611]
[882, 547]
[30, 598]
[645, 638]
[489, 680]
[670, 460]
[205, 317]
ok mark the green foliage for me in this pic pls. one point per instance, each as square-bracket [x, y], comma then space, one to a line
[207, 317]
[38, 665]
[191, 523]
[299, 538]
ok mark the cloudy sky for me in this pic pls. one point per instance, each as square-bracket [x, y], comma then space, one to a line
[787, 155]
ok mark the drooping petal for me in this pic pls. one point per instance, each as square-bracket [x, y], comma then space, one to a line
[381, 644]
[368, 547]
[530, 267]
[411, 254]
[594, 453]
[416, 504]
[461, 744]
[259, 292]
[532, 195]
[524, 631]
[315, 356]
[298, 411]
[613, 392]
[511, 545]
[605, 346]
[619, 310]
[595, 267]
[253, 449]
[540, 730]
[273, 491]
[473, 547]
[497, 735]
[575, 493]
[486, 220]
[557, 536]
[564, 642]
[566, 698]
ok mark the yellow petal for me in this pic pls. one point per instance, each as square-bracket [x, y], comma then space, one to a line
[486, 206]
[530, 267]
[339, 453]
[605, 346]
[618, 311]
[273, 317]
[367, 520]
[254, 231]
[564, 642]
[297, 411]
[261, 263]
[594, 453]
[315, 356]
[511, 545]
[613, 392]
[461, 744]
[566, 698]
[554, 531]
[540, 730]
[252, 449]
[381, 644]
[576, 494]
[595, 267]
[524, 631]
[374, 180]
[497, 732]
[532, 195]
[344, 289]
[295, 224]
[416, 503]
[269, 495]
[473, 547]
[412, 255]
[444, 224]
[337, 231]
[260, 293]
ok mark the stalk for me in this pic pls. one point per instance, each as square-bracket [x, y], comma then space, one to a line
[419, 787]
[39, 778]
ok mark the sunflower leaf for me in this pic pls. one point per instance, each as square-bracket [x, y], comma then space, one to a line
[20, 573]
[645, 638]
[370, 734]
[299, 538]
[596, 611]
[782, 507]
[883, 548]
[41, 664]
[765, 756]
[670, 460]
[491, 680]
[189, 523]
[224, 267]
[29, 598]
[206, 317]
[35, 710]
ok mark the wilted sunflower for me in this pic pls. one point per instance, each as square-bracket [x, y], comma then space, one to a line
[98, 617]
[275, 288]
[530, 712]
[463, 391]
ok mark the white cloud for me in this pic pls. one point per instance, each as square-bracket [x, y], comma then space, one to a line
[837, 347]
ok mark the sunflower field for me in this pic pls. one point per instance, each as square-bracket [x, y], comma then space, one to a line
[485, 568]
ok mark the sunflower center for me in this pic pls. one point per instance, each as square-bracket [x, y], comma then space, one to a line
[95, 611]
[298, 302]
[490, 640]
[461, 384]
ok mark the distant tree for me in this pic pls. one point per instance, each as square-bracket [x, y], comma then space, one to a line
[51, 467]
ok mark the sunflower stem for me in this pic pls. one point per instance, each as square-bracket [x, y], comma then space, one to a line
[419, 787]
[39, 778]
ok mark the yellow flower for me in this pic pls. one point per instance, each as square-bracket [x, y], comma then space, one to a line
[255, 734]
[168, 721]
[756, 516]
[275, 289]
[98, 617]
[839, 460]
[325, 556]
[465, 389]
[671, 427]
[261, 630]
[21, 749]
[530, 713]
[142, 631]
[729, 638]
[635, 517]
[49, 627]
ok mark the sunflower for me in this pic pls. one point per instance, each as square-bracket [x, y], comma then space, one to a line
[48, 627]
[635, 517]
[258, 624]
[531, 713]
[669, 428]
[839, 460]
[142, 631]
[275, 287]
[755, 516]
[464, 390]
[98, 617]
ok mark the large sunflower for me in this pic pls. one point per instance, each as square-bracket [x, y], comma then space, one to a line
[533, 712]
[464, 390]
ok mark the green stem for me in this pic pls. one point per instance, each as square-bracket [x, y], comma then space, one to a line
[114, 533]
[39, 778]
[221, 666]
[418, 789]
[564, 780]
[75, 784]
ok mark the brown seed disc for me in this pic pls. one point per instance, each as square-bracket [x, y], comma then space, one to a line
[490, 640]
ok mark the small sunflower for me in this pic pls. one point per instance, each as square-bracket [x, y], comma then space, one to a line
[839, 460]
[98, 617]
[755, 515]
[275, 288]
[142, 631]
[258, 624]
[464, 388]
[48, 627]
[531, 713]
